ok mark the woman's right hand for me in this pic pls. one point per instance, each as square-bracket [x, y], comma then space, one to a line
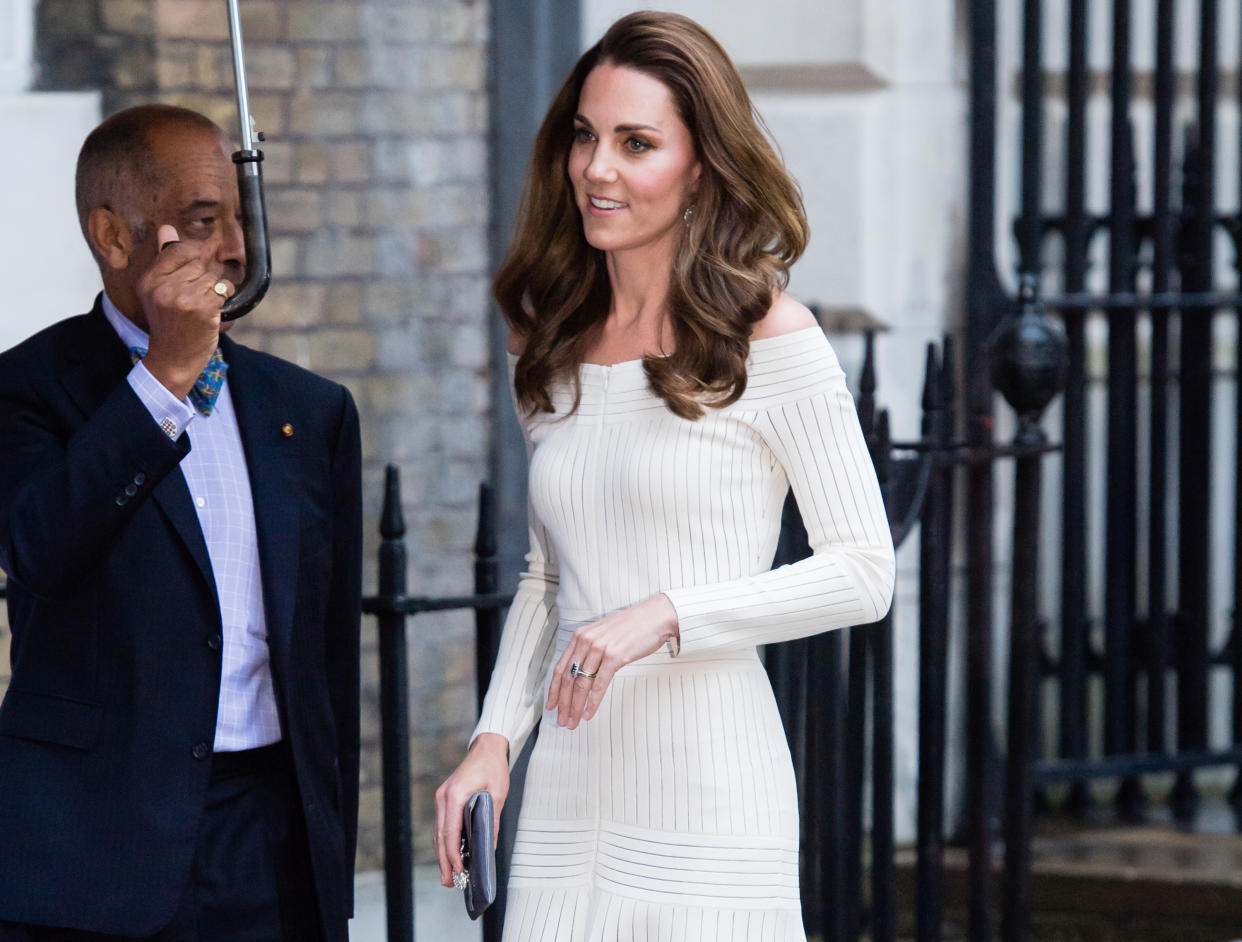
[486, 766]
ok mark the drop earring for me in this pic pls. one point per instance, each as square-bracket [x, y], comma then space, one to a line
[685, 217]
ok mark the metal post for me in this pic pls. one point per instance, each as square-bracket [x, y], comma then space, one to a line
[935, 540]
[1023, 690]
[1196, 424]
[856, 710]
[986, 302]
[1029, 367]
[1075, 626]
[826, 745]
[486, 645]
[1163, 230]
[880, 636]
[1122, 427]
[486, 581]
[394, 717]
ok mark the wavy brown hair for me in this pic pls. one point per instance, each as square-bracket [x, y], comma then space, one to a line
[747, 228]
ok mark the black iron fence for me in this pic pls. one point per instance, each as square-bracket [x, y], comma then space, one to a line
[392, 606]
[1144, 618]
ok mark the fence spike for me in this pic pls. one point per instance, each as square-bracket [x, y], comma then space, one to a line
[866, 387]
[485, 544]
[881, 447]
[392, 522]
[931, 380]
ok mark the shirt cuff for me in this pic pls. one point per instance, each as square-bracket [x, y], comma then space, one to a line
[171, 414]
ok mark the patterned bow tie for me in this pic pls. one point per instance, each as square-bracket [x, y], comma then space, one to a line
[205, 392]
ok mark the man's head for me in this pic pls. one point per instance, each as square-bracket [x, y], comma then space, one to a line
[157, 165]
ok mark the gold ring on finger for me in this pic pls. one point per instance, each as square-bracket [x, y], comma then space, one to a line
[221, 288]
[576, 671]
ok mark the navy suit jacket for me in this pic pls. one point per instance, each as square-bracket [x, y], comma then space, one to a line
[105, 725]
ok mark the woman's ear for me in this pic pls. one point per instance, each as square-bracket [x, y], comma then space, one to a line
[110, 237]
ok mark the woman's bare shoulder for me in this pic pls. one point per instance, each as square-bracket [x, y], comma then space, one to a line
[784, 317]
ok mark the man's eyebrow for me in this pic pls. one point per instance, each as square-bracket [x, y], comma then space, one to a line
[199, 205]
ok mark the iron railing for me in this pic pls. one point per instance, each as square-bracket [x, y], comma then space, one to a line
[392, 606]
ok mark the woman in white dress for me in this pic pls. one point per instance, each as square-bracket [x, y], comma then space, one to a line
[670, 395]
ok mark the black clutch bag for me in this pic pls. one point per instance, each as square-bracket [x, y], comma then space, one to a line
[478, 853]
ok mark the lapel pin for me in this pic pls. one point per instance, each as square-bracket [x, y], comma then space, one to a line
[286, 430]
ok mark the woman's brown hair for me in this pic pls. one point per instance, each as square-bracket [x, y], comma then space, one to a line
[748, 226]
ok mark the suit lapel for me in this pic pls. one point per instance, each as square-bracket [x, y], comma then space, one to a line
[98, 361]
[273, 487]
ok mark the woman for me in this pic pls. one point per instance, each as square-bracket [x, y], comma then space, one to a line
[670, 394]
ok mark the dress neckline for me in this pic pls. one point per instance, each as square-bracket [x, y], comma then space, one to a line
[764, 341]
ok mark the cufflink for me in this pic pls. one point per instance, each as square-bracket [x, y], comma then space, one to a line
[169, 427]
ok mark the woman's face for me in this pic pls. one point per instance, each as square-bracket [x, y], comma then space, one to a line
[632, 163]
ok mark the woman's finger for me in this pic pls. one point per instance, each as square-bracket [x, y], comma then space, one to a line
[599, 687]
[442, 816]
[582, 691]
[558, 673]
[448, 840]
[573, 688]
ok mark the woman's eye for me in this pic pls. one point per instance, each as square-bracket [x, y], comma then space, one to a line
[636, 145]
[582, 135]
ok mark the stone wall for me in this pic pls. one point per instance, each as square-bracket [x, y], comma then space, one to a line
[376, 120]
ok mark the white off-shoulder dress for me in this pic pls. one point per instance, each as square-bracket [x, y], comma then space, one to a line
[672, 815]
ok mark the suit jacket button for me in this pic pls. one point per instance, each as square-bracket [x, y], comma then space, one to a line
[131, 489]
[214, 642]
[121, 500]
[140, 478]
[201, 750]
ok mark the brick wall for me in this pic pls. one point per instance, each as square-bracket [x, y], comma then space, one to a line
[376, 119]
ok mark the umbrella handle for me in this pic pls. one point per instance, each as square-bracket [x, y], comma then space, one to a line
[249, 162]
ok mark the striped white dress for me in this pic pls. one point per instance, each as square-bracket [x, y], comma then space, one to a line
[672, 815]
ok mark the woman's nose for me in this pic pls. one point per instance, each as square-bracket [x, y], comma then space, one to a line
[600, 167]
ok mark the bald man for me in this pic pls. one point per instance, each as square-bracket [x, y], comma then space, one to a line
[180, 526]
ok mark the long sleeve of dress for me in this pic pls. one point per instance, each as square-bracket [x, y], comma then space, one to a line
[806, 417]
[515, 695]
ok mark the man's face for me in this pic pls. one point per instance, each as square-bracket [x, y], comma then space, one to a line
[194, 190]
[196, 193]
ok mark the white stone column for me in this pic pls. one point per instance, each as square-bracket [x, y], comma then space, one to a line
[53, 272]
[16, 28]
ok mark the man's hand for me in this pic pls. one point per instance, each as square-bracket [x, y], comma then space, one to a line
[179, 297]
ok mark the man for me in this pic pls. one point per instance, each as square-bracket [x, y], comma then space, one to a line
[180, 526]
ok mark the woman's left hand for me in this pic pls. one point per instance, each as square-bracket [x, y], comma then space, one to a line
[602, 648]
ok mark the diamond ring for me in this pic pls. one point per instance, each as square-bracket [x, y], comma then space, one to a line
[576, 671]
